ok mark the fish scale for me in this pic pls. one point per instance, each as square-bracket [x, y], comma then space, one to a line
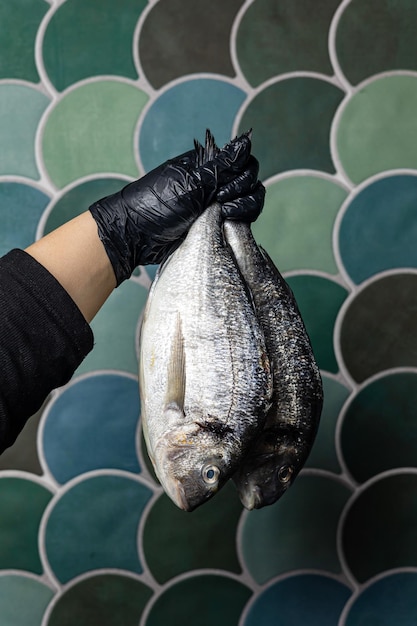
[282, 448]
[205, 378]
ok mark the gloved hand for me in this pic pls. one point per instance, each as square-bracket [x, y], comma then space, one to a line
[145, 221]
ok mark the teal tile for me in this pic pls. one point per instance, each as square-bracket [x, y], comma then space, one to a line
[17, 59]
[372, 236]
[304, 599]
[389, 600]
[21, 207]
[72, 447]
[182, 113]
[93, 525]
[21, 108]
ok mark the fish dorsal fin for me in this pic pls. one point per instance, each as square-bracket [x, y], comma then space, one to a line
[210, 149]
[208, 152]
[176, 370]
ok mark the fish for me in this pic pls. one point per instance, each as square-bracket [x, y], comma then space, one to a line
[204, 374]
[284, 444]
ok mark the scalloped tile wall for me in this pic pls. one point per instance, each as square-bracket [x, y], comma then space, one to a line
[92, 96]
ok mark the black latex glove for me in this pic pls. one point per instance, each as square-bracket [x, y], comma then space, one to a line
[145, 221]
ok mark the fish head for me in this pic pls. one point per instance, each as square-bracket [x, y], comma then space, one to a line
[267, 473]
[192, 464]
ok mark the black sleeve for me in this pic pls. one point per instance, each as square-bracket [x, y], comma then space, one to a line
[43, 339]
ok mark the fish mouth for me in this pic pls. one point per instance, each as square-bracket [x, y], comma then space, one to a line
[164, 460]
[177, 494]
[252, 499]
[174, 489]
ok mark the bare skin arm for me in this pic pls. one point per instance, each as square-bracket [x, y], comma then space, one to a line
[75, 256]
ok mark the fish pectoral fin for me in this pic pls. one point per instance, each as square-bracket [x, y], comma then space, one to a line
[175, 392]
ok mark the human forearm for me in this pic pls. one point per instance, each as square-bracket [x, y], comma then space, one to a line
[75, 256]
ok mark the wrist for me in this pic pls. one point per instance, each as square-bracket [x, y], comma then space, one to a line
[75, 256]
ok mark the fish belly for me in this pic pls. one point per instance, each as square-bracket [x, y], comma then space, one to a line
[227, 373]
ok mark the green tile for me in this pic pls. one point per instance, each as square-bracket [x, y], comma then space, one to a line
[379, 328]
[381, 419]
[390, 26]
[23, 503]
[323, 454]
[175, 542]
[298, 532]
[377, 129]
[203, 599]
[290, 204]
[106, 600]
[319, 300]
[23, 600]
[91, 130]
[378, 533]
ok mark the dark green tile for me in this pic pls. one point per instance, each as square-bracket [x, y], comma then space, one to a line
[278, 37]
[379, 328]
[181, 37]
[291, 122]
[175, 542]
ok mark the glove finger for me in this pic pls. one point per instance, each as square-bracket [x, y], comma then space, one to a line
[232, 158]
[246, 208]
[241, 185]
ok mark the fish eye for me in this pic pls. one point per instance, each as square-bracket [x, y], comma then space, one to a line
[210, 474]
[284, 474]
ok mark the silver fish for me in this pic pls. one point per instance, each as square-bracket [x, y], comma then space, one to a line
[205, 378]
[283, 446]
